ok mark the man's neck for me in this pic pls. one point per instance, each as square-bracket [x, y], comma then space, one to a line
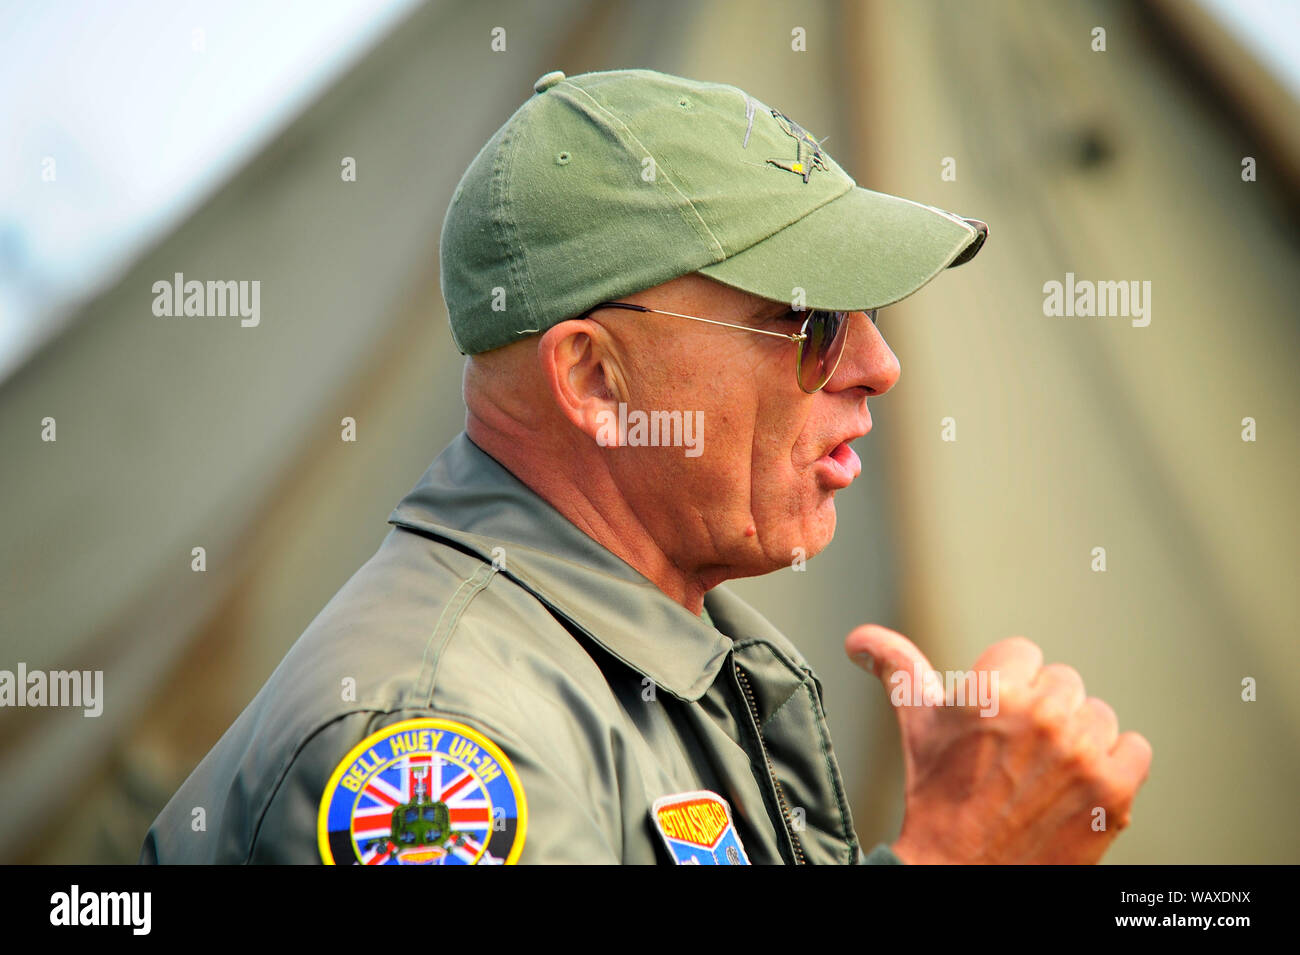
[586, 494]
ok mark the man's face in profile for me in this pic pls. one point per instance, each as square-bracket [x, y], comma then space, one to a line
[771, 457]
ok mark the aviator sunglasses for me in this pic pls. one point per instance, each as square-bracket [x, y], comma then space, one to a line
[821, 339]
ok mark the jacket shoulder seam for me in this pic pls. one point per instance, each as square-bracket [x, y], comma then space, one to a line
[445, 626]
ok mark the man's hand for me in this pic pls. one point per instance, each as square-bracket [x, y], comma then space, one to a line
[1020, 786]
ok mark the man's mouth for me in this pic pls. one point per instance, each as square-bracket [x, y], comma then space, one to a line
[839, 467]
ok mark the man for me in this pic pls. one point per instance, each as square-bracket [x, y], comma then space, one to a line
[667, 290]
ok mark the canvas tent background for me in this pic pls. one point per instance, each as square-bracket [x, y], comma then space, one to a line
[1071, 433]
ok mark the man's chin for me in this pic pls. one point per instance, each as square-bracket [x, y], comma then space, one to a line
[816, 533]
[822, 531]
[758, 557]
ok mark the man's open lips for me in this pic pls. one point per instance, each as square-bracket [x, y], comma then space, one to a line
[839, 467]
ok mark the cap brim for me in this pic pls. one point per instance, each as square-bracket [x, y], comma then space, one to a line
[860, 251]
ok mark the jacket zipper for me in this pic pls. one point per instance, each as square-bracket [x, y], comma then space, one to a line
[752, 705]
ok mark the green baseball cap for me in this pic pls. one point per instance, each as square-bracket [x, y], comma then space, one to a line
[608, 183]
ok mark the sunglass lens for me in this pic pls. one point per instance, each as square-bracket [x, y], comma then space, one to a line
[820, 352]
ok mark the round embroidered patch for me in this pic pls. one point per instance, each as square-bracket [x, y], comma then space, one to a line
[426, 791]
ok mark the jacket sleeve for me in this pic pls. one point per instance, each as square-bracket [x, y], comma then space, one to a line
[571, 816]
[560, 826]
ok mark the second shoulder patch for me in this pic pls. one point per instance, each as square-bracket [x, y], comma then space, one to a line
[698, 829]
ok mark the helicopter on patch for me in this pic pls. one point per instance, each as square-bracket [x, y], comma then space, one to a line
[421, 830]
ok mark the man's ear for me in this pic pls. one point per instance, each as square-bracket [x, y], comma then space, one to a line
[579, 364]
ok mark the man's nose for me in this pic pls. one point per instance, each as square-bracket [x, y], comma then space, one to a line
[868, 362]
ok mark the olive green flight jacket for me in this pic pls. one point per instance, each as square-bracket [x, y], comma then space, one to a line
[486, 606]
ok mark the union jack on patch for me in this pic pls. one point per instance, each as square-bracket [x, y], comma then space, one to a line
[426, 791]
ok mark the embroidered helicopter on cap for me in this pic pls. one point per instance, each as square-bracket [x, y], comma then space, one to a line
[807, 155]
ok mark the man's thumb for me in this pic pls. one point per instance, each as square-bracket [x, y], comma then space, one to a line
[885, 653]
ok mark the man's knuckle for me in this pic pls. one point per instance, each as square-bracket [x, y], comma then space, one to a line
[1060, 678]
[1012, 699]
[1050, 714]
[1112, 790]
[1086, 759]
[1049, 733]
[1078, 765]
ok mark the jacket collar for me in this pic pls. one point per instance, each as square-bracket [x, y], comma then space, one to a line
[468, 498]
